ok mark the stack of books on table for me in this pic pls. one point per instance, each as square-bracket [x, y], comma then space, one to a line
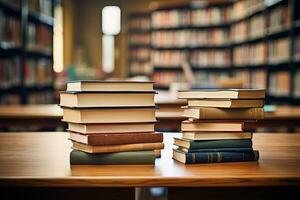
[111, 122]
[216, 129]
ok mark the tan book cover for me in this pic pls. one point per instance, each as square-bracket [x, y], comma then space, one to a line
[119, 148]
[226, 103]
[216, 136]
[217, 126]
[224, 113]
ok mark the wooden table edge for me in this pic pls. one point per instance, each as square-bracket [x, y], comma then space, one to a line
[141, 181]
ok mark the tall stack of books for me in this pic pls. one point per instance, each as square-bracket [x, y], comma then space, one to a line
[111, 122]
[216, 130]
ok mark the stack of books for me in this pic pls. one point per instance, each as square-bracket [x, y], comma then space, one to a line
[111, 122]
[216, 129]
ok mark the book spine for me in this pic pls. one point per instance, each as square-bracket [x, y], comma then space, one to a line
[138, 157]
[115, 139]
[211, 144]
[221, 150]
[217, 157]
[219, 113]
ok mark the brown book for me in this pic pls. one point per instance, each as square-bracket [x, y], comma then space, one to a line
[107, 99]
[224, 113]
[226, 103]
[216, 135]
[115, 138]
[118, 148]
[95, 85]
[213, 126]
[109, 115]
[111, 128]
[222, 94]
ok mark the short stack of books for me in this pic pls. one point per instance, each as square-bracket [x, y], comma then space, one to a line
[216, 129]
[111, 122]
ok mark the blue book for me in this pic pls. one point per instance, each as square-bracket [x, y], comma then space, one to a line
[214, 157]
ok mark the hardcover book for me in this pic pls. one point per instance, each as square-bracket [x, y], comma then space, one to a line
[214, 157]
[216, 135]
[109, 115]
[119, 158]
[222, 94]
[95, 85]
[214, 150]
[117, 148]
[111, 128]
[226, 103]
[107, 99]
[224, 113]
[115, 138]
[212, 144]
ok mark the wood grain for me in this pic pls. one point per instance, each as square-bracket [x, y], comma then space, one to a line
[42, 159]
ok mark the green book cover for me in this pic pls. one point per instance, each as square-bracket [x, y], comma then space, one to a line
[211, 144]
[119, 158]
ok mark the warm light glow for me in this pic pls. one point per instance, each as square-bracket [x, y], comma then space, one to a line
[58, 65]
[111, 20]
[108, 53]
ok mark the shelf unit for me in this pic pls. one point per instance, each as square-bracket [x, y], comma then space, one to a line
[26, 37]
[258, 72]
[139, 44]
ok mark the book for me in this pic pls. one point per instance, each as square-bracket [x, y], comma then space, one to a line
[214, 157]
[207, 144]
[116, 139]
[216, 136]
[117, 148]
[227, 103]
[106, 98]
[109, 115]
[215, 126]
[118, 158]
[111, 128]
[222, 94]
[94, 85]
[214, 150]
[223, 113]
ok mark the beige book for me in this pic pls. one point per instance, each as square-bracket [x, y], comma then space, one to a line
[109, 85]
[226, 103]
[109, 115]
[224, 113]
[111, 128]
[216, 136]
[187, 126]
[107, 99]
[222, 94]
[117, 148]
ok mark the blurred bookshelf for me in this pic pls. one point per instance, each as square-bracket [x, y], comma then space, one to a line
[139, 44]
[254, 41]
[26, 54]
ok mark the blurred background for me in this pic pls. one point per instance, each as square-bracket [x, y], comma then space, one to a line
[178, 44]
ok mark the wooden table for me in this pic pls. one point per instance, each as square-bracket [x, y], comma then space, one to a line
[42, 160]
[169, 116]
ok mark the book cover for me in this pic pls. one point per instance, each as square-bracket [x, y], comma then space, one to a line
[214, 157]
[119, 158]
[215, 150]
[115, 138]
[226, 103]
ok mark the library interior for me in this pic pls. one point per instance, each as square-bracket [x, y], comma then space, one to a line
[149, 99]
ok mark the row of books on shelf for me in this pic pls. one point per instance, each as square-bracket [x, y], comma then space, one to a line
[45, 97]
[241, 9]
[251, 79]
[10, 31]
[194, 17]
[280, 84]
[139, 23]
[217, 58]
[139, 53]
[10, 72]
[167, 58]
[38, 72]
[138, 38]
[140, 67]
[41, 6]
[39, 38]
[190, 38]
[297, 47]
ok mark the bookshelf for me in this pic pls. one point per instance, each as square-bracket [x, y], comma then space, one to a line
[26, 29]
[255, 41]
[139, 44]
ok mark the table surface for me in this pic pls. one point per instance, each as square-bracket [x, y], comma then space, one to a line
[42, 159]
[54, 111]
